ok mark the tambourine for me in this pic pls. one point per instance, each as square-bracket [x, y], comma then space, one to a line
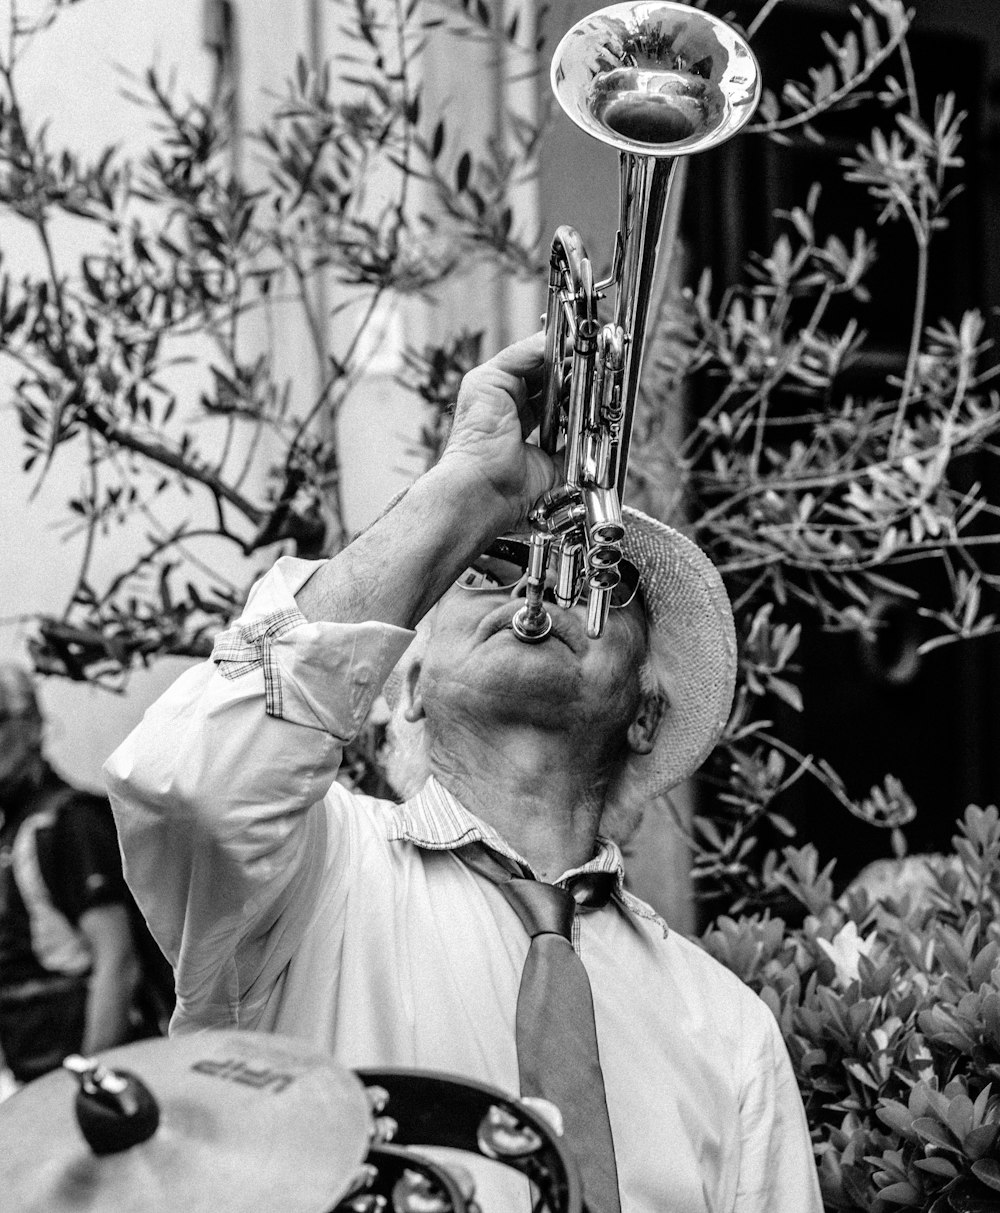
[415, 1108]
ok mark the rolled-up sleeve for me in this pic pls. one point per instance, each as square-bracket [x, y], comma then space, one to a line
[218, 792]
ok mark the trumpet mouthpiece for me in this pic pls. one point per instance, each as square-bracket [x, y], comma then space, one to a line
[531, 626]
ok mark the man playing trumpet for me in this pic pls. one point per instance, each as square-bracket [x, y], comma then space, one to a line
[405, 935]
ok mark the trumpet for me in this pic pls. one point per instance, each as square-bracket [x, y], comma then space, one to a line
[656, 81]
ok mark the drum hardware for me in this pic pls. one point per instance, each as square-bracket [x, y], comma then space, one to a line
[503, 1135]
[435, 1110]
[216, 1122]
[384, 1130]
[403, 1181]
[250, 1122]
[114, 1108]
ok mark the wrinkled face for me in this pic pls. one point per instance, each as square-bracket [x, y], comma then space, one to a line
[473, 664]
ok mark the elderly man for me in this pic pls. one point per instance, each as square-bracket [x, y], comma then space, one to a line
[395, 934]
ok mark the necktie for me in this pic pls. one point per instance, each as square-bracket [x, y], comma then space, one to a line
[556, 1037]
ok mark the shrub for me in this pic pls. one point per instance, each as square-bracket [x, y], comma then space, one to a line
[889, 1001]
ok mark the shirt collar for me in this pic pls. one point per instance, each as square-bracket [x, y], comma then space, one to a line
[435, 820]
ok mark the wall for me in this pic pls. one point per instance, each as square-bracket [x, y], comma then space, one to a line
[73, 78]
[89, 51]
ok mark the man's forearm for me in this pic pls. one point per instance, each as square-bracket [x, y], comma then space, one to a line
[396, 570]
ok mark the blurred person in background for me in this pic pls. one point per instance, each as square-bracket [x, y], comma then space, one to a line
[71, 949]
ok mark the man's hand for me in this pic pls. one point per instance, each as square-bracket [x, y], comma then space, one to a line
[498, 407]
[484, 484]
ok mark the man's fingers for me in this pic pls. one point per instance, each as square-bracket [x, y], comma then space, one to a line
[522, 357]
[525, 361]
[517, 372]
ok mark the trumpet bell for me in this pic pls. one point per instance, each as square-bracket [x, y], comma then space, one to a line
[656, 79]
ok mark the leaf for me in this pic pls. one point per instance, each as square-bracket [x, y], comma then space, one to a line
[870, 36]
[858, 1071]
[772, 1001]
[856, 1186]
[981, 1141]
[463, 171]
[787, 692]
[897, 1116]
[900, 1194]
[987, 1170]
[850, 55]
[933, 1131]
[984, 964]
[937, 1166]
[960, 1116]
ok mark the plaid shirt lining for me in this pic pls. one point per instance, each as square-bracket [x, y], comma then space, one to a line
[247, 646]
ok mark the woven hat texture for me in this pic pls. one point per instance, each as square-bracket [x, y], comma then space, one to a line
[692, 640]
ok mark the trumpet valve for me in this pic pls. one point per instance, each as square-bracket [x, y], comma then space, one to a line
[567, 577]
[612, 408]
[559, 512]
[605, 557]
[604, 517]
[598, 606]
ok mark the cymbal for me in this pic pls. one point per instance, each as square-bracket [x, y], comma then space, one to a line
[249, 1122]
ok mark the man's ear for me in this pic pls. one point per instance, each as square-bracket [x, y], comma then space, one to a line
[646, 723]
[412, 700]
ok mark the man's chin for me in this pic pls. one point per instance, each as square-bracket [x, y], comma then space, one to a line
[544, 674]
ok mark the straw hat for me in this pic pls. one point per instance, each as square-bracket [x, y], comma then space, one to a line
[692, 643]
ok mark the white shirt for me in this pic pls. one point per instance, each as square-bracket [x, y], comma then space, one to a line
[287, 903]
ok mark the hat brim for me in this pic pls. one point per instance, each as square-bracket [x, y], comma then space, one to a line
[692, 640]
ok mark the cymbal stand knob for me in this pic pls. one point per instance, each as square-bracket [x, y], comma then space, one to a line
[114, 1108]
[378, 1098]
